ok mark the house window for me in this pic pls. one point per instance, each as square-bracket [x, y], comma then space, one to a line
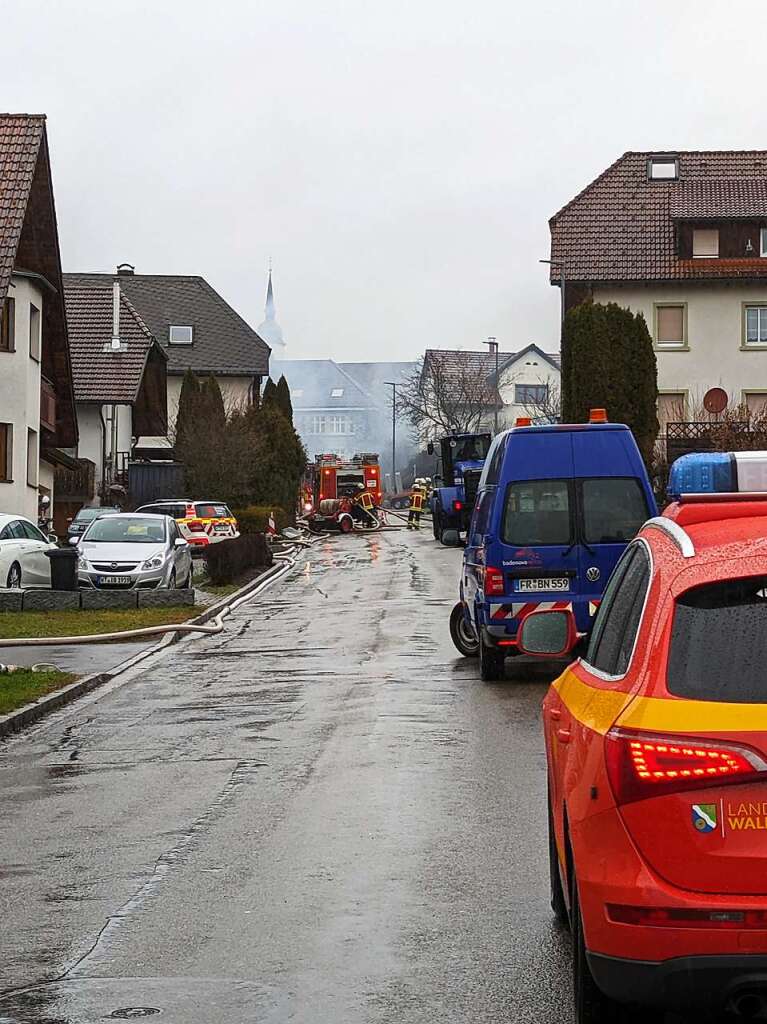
[530, 394]
[297, 393]
[705, 242]
[318, 424]
[340, 424]
[33, 459]
[7, 326]
[756, 403]
[756, 325]
[34, 332]
[180, 335]
[337, 393]
[672, 408]
[6, 452]
[662, 168]
[671, 324]
[763, 242]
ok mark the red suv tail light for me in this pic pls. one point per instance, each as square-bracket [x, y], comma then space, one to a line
[642, 765]
[196, 526]
[680, 917]
[495, 585]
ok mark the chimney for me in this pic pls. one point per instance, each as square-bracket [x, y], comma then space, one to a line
[125, 269]
[116, 315]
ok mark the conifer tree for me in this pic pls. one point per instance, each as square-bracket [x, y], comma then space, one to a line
[608, 361]
[282, 397]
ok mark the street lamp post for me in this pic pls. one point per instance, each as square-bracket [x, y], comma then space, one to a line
[493, 343]
[392, 384]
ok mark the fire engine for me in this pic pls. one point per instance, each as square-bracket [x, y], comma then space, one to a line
[332, 481]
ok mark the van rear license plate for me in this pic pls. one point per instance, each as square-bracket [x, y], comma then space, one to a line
[549, 583]
[108, 581]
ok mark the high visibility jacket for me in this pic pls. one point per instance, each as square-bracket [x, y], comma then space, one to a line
[365, 499]
[416, 501]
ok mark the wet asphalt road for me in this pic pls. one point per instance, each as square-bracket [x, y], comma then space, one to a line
[321, 816]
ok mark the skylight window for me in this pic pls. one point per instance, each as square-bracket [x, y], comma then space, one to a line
[663, 168]
[337, 393]
[178, 335]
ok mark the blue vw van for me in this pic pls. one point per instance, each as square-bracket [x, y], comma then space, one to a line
[556, 506]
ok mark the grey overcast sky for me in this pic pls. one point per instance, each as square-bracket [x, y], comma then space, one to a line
[398, 161]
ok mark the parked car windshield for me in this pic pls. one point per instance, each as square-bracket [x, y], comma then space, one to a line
[537, 512]
[614, 508]
[719, 642]
[128, 530]
[86, 515]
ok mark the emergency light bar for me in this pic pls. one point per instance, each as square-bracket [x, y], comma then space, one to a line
[717, 473]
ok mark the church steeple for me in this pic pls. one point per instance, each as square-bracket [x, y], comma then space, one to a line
[270, 331]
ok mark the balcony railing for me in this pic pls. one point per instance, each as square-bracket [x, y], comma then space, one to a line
[47, 405]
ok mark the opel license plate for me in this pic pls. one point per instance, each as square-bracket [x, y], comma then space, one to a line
[546, 583]
[110, 581]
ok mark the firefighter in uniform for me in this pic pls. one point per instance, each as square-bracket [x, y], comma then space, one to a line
[416, 505]
[363, 506]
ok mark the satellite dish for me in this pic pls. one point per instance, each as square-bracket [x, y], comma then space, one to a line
[715, 400]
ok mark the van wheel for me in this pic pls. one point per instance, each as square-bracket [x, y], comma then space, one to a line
[462, 634]
[558, 904]
[590, 1004]
[491, 662]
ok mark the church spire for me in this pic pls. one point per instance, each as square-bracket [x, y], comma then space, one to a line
[270, 331]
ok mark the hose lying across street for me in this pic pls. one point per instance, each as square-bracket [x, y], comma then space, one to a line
[211, 628]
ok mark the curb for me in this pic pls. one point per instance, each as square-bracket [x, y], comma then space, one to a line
[17, 720]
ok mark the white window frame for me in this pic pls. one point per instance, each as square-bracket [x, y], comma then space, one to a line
[337, 393]
[319, 424]
[761, 309]
[180, 327]
[763, 241]
[679, 346]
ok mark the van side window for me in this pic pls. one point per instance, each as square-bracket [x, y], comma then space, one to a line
[614, 508]
[480, 518]
[496, 462]
[617, 622]
[538, 512]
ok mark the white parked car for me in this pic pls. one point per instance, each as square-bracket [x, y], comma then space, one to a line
[22, 554]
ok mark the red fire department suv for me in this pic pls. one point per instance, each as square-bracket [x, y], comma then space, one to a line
[656, 741]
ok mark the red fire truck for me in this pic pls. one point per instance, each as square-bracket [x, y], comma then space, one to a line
[330, 484]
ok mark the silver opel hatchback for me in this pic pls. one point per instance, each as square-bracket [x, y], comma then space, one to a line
[131, 551]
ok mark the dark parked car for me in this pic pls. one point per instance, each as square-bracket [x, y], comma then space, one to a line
[85, 517]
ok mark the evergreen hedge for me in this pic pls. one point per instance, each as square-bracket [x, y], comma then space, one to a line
[608, 361]
[228, 559]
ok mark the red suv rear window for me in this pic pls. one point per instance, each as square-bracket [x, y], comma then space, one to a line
[719, 642]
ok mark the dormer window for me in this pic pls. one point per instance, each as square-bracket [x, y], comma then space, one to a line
[705, 242]
[337, 393]
[763, 242]
[663, 168]
[180, 335]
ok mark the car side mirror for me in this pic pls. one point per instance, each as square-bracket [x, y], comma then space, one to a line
[180, 543]
[74, 541]
[430, 448]
[547, 634]
[53, 538]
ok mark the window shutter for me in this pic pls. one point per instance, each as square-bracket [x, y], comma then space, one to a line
[670, 325]
[5, 473]
[705, 242]
[671, 409]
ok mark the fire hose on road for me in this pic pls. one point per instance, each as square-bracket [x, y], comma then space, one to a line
[212, 628]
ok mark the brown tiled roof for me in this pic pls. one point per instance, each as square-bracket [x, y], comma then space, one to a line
[731, 197]
[621, 227]
[458, 364]
[20, 138]
[101, 375]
